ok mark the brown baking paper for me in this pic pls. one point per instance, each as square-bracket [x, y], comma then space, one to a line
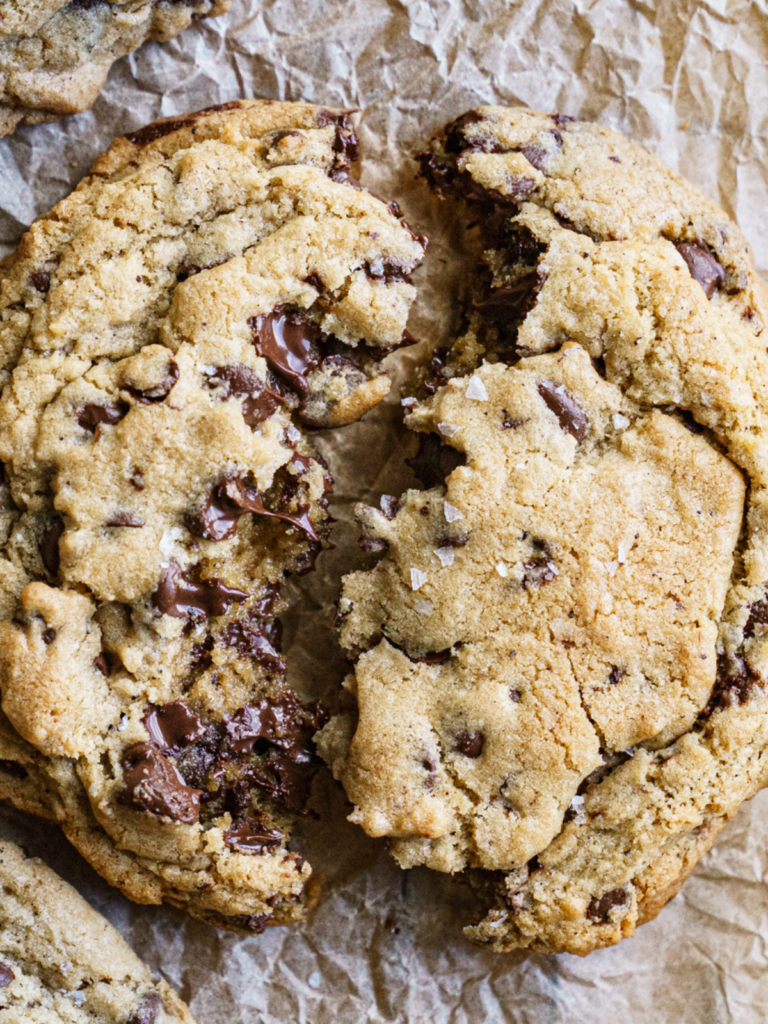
[690, 81]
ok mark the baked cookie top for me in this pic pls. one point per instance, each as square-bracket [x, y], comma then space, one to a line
[561, 658]
[61, 961]
[218, 284]
[55, 55]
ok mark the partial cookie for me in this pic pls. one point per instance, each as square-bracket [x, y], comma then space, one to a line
[55, 55]
[561, 658]
[218, 284]
[61, 961]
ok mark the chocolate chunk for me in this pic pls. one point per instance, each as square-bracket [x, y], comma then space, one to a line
[279, 721]
[515, 696]
[316, 282]
[470, 744]
[102, 663]
[6, 976]
[239, 381]
[735, 684]
[229, 501]
[172, 726]
[251, 836]
[345, 145]
[510, 423]
[561, 119]
[13, 768]
[612, 759]
[48, 636]
[90, 416]
[136, 480]
[599, 908]
[571, 417]
[758, 619]
[48, 545]
[617, 674]
[149, 1010]
[254, 639]
[255, 924]
[540, 568]
[178, 596]
[285, 339]
[159, 391]
[390, 506]
[286, 133]
[537, 156]
[40, 281]
[511, 302]
[456, 140]
[434, 461]
[703, 266]
[153, 132]
[155, 785]
[125, 519]
[389, 270]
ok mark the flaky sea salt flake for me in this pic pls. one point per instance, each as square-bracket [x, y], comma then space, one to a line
[611, 567]
[445, 554]
[448, 429]
[502, 570]
[476, 389]
[451, 512]
[423, 607]
[620, 421]
[418, 579]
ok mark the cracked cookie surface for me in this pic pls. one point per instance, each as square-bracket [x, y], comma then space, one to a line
[561, 654]
[55, 55]
[219, 284]
[61, 961]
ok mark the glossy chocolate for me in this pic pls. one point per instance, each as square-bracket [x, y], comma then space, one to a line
[251, 835]
[91, 415]
[239, 381]
[173, 725]
[703, 266]
[286, 340]
[180, 597]
[571, 417]
[470, 744]
[152, 783]
[48, 546]
[160, 391]
[227, 502]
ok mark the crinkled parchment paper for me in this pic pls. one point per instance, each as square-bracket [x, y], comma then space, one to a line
[690, 81]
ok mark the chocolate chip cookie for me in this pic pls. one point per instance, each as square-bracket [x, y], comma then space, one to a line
[168, 334]
[61, 961]
[562, 652]
[55, 55]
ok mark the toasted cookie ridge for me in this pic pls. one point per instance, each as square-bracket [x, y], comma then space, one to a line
[560, 654]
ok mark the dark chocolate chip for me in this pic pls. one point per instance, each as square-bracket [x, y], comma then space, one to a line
[173, 725]
[511, 302]
[254, 639]
[153, 132]
[125, 519]
[149, 1010]
[256, 924]
[159, 391]
[561, 119]
[612, 759]
[537, 156]
[735, 684]
[434, 461]
[540, 568]
[316, 282]
[285, 339]
[228, 502]
[571, 417]
[13, 768]
[510, 423]
[102, 663]
[703, 266]
[90, 416]
[40, 281]
[617, 674]
[136, 480]
[389, 271]
[345, 145]
[178, 596]
[251, 836]
[6, 976]
[278, 721]
[515, 695]
[48, 545]
[470, 744]
[599, 909]
[758, 619]
[48, 636]
[155, 785]
[239, 381]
